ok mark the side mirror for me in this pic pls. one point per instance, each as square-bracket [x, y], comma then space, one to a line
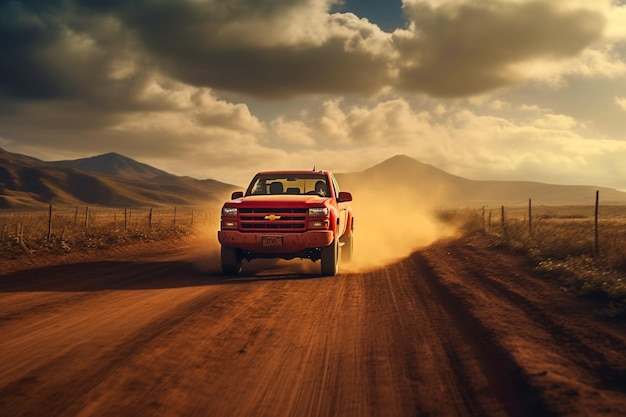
[236, 195]
[344, 196]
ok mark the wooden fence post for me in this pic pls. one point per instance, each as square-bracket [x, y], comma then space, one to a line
[50, 223]
[86, 217]
[150, 220]
[483, 217]
[530, 217]
[174, 216]
[597, 237]
[125, 218]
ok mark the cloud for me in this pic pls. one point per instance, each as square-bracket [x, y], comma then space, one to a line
[542, 145]
[465, 48]
[168, 81]
[621, 102]
[78, 49]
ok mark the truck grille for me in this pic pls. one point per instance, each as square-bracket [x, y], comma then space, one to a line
[278, 219]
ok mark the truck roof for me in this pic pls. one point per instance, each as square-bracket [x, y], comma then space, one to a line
[293, 171]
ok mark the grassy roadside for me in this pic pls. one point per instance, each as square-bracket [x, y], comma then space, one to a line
[95, 238]
[561, 246]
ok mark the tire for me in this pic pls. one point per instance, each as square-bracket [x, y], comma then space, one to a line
[231, 261]
[348, 248]
[330, 259]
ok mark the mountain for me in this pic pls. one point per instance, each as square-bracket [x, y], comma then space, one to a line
[108, 180]
[114, 165]
[402, 175]
[114, 180]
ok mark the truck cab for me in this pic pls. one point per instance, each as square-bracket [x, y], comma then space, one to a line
[288, 215]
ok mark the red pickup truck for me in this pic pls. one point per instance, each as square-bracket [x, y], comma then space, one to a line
[288, 215]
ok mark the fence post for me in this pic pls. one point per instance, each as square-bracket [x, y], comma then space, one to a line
[174, 216]
[50, 223]
[76, 216]
[125, 218]
[150, 220]
[530, 217]
[597, 238]
[192, 217]
[484, 225]
[86, 217]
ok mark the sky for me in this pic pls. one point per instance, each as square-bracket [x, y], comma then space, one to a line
[484, 89]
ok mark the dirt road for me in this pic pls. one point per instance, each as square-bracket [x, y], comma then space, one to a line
[456, 329]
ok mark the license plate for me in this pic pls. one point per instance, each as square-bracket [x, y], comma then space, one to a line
[272, 241]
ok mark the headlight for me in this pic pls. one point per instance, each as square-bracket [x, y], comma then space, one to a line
[229, 211]
[318, 211]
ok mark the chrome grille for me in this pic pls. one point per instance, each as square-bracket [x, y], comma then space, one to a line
[277, 219]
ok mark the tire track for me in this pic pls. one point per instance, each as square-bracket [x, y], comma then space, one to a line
[506, 379]
[563, 331]
[58, 295]
[58, 389]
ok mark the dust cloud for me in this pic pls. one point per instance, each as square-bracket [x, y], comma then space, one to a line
[205, 253]
[391, 222]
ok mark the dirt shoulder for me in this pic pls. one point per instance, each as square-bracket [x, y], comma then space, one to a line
[563, 346]
[45, 257]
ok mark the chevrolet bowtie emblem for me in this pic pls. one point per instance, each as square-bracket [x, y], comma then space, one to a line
[272, 217]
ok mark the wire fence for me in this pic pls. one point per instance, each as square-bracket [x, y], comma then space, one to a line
[562, 231]
[61, 224]
[582, 247]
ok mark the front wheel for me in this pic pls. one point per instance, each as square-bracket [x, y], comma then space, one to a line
[330, 259]
[231, 260]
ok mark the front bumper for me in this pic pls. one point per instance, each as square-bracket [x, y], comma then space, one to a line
[291, 242]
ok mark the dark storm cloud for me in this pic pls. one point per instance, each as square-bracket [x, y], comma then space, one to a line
[70, 49]
[25, 38]
[187, 41]
[282, 72]
[462, 49]
[53, 51]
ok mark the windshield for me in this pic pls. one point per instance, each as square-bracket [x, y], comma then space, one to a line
[302, 184]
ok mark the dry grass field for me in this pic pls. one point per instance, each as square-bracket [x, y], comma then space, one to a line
[66, 229]
[563, 243]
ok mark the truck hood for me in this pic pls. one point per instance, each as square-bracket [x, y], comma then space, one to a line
[273, 200]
